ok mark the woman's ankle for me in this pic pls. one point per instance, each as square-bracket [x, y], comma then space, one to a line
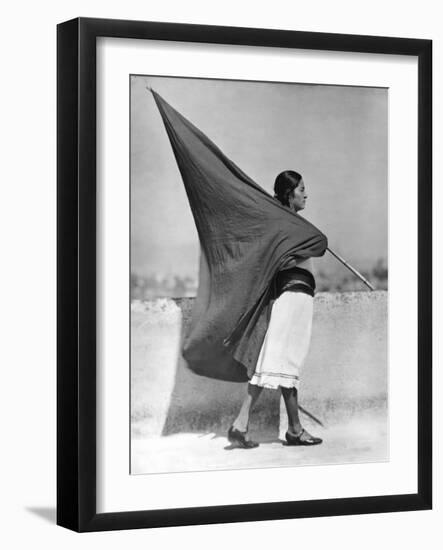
[239, 426]
[295, 429]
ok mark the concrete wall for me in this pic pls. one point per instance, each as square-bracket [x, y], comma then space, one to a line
[345, 372]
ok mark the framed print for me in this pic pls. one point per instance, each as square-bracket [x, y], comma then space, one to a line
[244, 274]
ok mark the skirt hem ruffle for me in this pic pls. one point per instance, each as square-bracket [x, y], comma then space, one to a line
[274, 382]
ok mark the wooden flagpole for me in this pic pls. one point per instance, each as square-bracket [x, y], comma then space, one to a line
[354, 271]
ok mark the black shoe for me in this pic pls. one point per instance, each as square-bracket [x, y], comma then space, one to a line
[296, 439]
[237, 438]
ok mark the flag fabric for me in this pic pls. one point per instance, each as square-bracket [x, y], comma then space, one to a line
[245, 238]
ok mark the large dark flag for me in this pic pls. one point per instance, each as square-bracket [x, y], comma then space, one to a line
[245, 236]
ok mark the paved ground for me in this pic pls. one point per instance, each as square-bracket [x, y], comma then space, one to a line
[362, 439]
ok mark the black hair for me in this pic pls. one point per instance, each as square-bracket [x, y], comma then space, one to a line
[286, 182]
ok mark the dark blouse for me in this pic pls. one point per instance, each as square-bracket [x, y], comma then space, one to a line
[294, 279]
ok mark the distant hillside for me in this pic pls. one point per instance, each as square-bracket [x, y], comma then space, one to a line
[173, 271]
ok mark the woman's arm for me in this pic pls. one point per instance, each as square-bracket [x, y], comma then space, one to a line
[305, 263]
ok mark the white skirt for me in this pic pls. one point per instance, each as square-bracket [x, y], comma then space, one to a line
[286, 343]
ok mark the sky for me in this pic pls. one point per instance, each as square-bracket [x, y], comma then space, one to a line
[335, 136]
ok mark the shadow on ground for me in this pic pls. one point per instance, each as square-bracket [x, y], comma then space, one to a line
[48, 514]
[361, 439]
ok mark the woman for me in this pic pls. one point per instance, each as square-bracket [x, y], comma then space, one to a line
[288, 335]
[250, 244]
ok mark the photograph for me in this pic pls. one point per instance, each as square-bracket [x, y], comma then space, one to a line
[229, 223]
[258, 274]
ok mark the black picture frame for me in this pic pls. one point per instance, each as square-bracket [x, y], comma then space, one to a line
[76, 273]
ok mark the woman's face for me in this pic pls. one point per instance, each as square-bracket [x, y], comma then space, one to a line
[297, 197]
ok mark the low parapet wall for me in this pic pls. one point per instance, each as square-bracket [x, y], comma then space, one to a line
[345, 372]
